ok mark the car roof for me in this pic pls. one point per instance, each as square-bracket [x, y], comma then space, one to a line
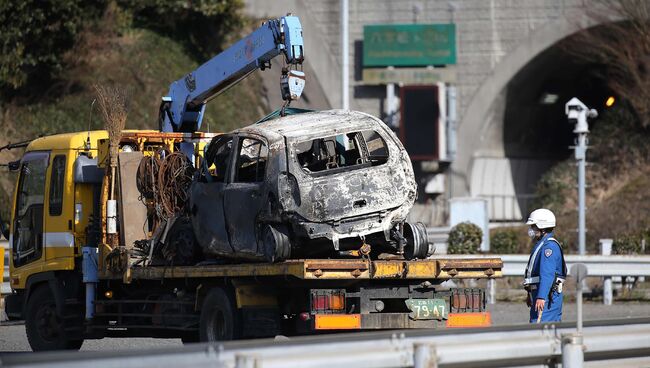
[308, 124]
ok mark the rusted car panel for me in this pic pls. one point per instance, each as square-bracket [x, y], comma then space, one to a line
[308, 185]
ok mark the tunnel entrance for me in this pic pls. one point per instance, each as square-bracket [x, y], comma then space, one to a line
[535, 133]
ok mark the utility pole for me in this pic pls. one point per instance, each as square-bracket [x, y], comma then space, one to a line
[577, 113]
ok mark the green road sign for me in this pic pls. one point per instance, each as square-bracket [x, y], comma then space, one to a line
[409, 44]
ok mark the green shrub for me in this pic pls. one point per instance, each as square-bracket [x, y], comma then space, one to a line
[627, 244]
[505, 242]
[632, 243]
[464, 238]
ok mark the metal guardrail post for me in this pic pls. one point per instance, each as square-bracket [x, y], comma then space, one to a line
[492, 291]
[572, 353]
[606, 250]
[245, 361]
[424, 356]
[572, 348]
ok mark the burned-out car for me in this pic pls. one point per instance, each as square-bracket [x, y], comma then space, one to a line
[316, 184]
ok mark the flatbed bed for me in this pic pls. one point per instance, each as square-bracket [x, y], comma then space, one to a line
[438, 268]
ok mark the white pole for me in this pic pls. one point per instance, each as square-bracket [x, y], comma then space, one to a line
[606, 250]
[451, 123]
[572, 351]
[581, 150]
[579, 309]
[345, 56]
[390, 104]
[492, 291]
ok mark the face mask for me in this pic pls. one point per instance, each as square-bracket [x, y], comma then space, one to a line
[532, 233]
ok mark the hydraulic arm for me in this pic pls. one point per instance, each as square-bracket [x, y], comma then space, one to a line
[183, 107]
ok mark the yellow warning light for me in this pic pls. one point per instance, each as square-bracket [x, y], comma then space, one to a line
[610, 101]
[108, 294]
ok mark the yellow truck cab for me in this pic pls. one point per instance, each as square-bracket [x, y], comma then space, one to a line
[51, 209]
[69, 285]
[56, 198]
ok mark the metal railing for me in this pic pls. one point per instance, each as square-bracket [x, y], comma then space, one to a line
[498, 346]
[599, 266]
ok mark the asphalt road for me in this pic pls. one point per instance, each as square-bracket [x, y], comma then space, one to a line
[13, 339]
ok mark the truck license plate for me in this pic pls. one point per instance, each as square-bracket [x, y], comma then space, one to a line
[427, 308]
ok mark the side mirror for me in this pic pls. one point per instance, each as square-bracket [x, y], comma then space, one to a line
[14, 165]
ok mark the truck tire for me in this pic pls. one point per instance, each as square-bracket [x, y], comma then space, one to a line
[417, 242]
[276, 243]
[219, 320]
[44, 327]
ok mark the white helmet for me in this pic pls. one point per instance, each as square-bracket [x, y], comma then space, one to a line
[542, 218]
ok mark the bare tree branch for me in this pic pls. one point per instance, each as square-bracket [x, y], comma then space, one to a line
[622, 44]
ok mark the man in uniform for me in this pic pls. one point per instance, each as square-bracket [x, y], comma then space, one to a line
[546, 270]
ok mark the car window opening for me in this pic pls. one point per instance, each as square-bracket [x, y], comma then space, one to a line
[251, 162]
[216, 158]
[350, 150]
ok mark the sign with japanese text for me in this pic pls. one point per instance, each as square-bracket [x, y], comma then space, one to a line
[409, 45]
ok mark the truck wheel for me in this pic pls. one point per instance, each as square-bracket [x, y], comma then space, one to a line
[44, 327]
[218, 320]
[276, 244]
[417, 241]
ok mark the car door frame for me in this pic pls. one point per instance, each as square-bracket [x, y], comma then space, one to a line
[219, 240]
[245, 245]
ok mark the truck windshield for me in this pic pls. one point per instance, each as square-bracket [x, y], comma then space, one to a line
[349, 150]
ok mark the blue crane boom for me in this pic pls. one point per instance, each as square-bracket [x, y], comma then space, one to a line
[183, 107]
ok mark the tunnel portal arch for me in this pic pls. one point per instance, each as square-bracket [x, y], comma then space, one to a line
[500, 153]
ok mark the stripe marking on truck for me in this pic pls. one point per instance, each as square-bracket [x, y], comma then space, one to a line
[58, 240]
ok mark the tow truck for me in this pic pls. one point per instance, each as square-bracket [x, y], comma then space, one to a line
[82, 268]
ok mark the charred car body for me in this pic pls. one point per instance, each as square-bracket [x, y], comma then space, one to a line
[316, 184]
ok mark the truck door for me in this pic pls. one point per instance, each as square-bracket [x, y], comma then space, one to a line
[207, 199]
[245, 194]
[59, 238]
[27, 228]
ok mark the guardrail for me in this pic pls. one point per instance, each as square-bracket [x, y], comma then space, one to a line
[599, 266]
[514, 265]
[499, 346]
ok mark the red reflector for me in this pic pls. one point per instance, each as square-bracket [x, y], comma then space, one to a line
[320, 302]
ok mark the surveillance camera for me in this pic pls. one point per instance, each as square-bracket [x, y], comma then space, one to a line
[577, 114]
[574, 106]
[592, 114]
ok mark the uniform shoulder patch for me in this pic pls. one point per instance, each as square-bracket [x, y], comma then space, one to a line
[548, 252]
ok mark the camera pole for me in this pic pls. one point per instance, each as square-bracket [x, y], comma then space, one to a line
[581, 157]
[577, 113]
